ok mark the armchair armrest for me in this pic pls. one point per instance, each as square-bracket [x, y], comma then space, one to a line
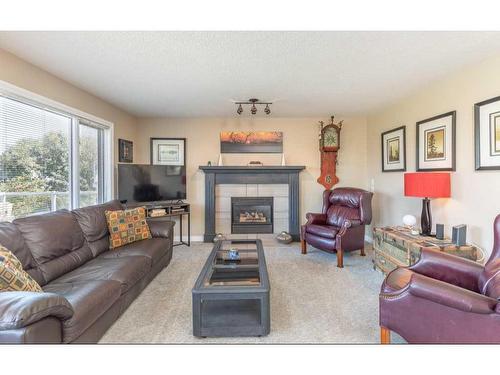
[160, 227]
[348, 224]
[449, 268]
[20, 309]
[450, 295]
[313, 218]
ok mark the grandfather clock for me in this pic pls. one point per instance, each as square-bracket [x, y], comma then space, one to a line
[329, 144]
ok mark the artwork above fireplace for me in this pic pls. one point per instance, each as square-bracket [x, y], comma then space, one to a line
[251, 215]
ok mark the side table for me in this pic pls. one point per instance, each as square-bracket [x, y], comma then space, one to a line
[397, 247]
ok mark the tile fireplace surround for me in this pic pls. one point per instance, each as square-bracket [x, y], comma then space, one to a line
[279, 182]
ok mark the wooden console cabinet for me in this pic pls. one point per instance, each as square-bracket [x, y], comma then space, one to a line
[397, 247]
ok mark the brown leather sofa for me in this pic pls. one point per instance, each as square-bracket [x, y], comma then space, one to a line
[86, 285]
[340, 226]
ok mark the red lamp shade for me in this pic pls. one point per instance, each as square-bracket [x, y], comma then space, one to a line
[427, 185]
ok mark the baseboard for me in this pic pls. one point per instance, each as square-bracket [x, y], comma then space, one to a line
[193, 238]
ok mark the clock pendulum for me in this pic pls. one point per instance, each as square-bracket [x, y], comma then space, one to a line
[329, 145]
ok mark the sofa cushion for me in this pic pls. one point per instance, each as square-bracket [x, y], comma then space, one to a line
[90, 299]
[12, 239]
[127, 271]
[326, 231]
[12, 275]
[55, 241]
[127, 226]
[154, 249]
[92, 221]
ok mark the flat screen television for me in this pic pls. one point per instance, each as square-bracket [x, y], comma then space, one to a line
[150, 183]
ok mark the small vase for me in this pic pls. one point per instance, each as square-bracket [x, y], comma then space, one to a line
[283, 160]
[220, 164]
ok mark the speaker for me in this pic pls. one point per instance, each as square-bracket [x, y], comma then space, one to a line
[459, 234]
[440, 231]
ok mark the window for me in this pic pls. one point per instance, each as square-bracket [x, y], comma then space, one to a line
[50, 159]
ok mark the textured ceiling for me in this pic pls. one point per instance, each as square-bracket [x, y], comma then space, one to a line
[178, 74]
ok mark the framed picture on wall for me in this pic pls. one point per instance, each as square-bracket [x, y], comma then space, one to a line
[436, 143]
[487, 134]
[125, 151]
[168, 151]
[394, 150]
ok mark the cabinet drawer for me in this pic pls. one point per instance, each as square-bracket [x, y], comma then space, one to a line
[393, 249]
[385, 264]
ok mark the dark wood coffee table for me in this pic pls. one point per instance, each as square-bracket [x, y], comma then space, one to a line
[231, 297]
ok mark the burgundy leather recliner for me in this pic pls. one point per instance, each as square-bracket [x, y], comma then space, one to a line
[444, 299]
[340, 226]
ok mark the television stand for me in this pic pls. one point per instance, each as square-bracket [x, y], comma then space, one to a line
[169, 209]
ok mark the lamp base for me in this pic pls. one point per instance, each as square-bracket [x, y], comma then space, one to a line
[426, 218]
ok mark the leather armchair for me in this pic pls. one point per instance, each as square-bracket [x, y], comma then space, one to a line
[340, 226]
[443, 299]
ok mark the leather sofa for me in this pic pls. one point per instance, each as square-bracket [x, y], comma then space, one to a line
[444, 299]
[86, 286]
[341, 224]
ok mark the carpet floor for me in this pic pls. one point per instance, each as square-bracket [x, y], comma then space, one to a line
[312, 301]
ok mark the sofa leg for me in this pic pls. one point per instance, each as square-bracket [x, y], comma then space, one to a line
[363, 252]
[303, 246]
[385, 335]
[340, 258]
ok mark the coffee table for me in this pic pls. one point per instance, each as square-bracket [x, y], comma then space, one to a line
[231, 297]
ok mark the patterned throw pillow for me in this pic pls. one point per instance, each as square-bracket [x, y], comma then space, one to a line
[127, 226]
[12, 275]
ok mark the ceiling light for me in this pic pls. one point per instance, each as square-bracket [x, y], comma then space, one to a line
[253, 110]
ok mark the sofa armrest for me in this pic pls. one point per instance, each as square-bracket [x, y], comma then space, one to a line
[160, 227]
[313, 218]
[450, 295]
[20, 309]
[449, 268]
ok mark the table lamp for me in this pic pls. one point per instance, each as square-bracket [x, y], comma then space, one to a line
[427, 185]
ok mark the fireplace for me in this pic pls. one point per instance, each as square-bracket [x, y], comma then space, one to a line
[251, 215]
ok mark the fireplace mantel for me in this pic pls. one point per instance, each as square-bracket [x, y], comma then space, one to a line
[215, 175]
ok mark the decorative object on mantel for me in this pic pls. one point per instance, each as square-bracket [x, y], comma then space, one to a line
[427, 185]
[487, 134]
[436, 143]
[283, 160]
[255, 163]
[394, 150]
[125, 151]
[253, 102]
[329, 145]
[284, 238]
[261, 142]
[168, 151]
[409, 221]
[219, 163]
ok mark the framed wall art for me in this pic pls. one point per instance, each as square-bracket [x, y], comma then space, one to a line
[436, 143]
[125, 151]
[394, 150]
[251, 142]
[168, 151]
[487, 134]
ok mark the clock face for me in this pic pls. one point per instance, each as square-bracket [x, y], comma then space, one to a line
[331, 138]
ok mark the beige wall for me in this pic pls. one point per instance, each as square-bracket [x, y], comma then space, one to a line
[300, 148]
[24, 75]
[475, 197]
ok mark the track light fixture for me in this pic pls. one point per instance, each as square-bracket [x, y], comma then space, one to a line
[253, 109]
